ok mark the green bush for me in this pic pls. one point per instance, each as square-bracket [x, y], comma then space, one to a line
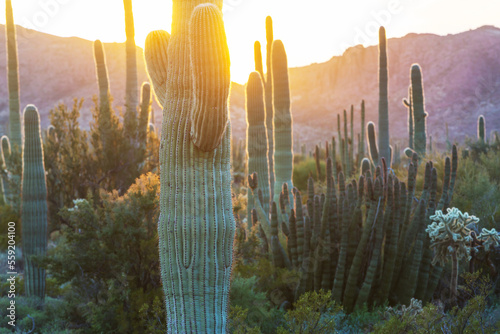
[313, 313]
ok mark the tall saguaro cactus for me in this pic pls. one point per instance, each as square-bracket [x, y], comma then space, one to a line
[283, 153]
[419, 114]
[383, 103]
[132, 87]
[34, 204]
[196, 228]
[269, 100]
[15, 130]
[257, 141]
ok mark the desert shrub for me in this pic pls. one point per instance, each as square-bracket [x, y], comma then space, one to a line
[48, 316]
[303, 170]
[474, 317]
[477, 193]
[314, 312]
[108, 253]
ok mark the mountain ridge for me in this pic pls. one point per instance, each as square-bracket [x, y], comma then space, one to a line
[461, 75]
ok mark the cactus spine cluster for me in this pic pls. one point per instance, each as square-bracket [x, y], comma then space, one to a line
[257, 141]
[132, 88]
[383, 104]
[283, 151]
[34, 204]
[15, 129]
[190, 73]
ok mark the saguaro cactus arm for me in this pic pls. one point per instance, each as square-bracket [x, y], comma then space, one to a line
[156, 55]
[196, 225]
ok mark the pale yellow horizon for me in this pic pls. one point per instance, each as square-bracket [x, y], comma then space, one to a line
[311, 34]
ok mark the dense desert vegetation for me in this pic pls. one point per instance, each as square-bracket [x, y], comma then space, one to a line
[126, 228]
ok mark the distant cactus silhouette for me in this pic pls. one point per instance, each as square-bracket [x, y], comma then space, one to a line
[15, 129]
[383, 104]
[419, 114]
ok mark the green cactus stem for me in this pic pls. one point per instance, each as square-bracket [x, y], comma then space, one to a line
[362, 137]
[132, 88]
[283, 151]
[34, 204]
[196, 226]
[15, 129]
[144, 115]
[419, 114]
[257, 139]
[269, 91]
[383, 104]
[258, 60]
[409, 104]
[372, 143]
[481, 129]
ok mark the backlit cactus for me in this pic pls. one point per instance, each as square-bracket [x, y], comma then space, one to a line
[15, 129]
[383, 103]
[409, 104]
[34, 204]
[144, 114]
[268, 92]
[419, 114]
[283, 151]
[257, 140]
[196, 226]
[132, 88]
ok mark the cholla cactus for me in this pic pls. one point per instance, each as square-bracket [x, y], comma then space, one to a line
[489, 238]
[411, 310]
[450, 235]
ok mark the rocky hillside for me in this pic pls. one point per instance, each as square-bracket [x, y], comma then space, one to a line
[461, 80]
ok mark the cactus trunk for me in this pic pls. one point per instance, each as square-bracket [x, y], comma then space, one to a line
[196, 225]
[383, 104]
[15, 129]
[34, 204]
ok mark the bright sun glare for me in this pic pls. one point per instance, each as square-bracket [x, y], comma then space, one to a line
[312, 33]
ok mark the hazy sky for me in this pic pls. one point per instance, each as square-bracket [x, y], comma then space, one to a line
[312, 30]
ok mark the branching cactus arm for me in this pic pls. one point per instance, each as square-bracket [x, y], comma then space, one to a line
[190, 74]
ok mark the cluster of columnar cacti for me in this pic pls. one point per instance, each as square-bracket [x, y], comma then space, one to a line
[190, 74]
[348, 160]
[257, 149]
[15, 129]
[366, 240]
[34, 204]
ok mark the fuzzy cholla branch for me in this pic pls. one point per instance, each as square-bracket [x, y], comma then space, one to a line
[450, 233]
[413, 309]
[489, 238]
